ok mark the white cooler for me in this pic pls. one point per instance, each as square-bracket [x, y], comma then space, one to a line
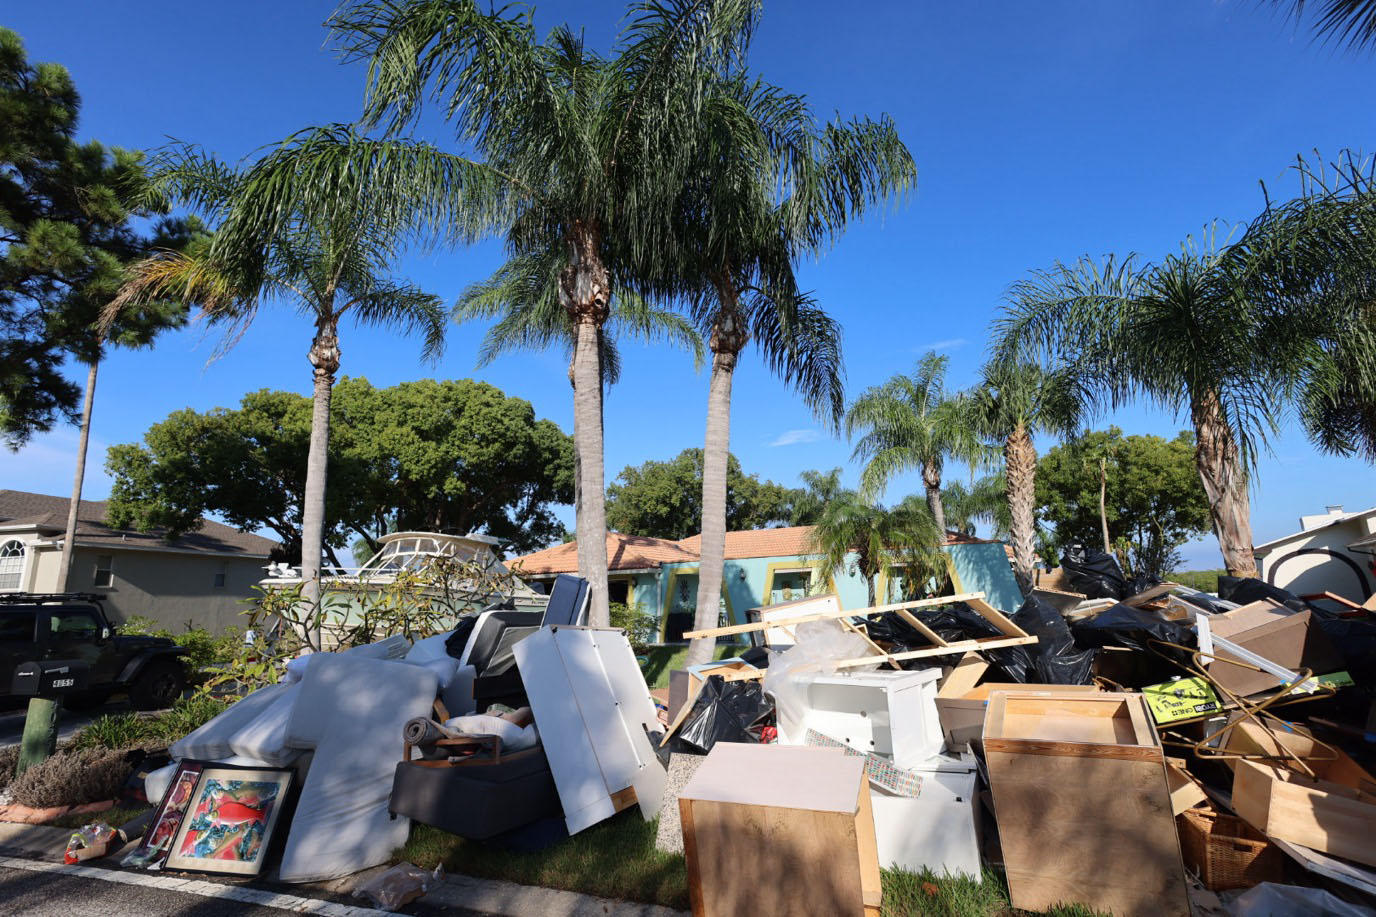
[886, 712]
[938, 828]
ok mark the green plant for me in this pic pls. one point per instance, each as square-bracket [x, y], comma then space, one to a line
[73, 777]
[640, 628]
[204, 649]
[119, 731]
[1203, 580]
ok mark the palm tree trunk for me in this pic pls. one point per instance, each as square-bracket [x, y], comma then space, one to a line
[584, 290]
[1103, 503]
[1225, 484]
[1020, 467]
[715, 453]
[931, 482]
[324, 357]
[69, 535]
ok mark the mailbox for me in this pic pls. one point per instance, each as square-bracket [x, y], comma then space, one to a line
[50, 678]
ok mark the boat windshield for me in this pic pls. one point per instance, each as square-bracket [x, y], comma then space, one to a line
[412, 554]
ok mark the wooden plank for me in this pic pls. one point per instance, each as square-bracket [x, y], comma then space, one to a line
[1328, 817]
[963, 678]
[935, 638]
[937, 602]
[989, 643]
[994, 616]
[856, 629]
[1071, 813]
[867, 847]
[1185, 792]
[1142, 598]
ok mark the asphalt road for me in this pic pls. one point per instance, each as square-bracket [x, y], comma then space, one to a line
[46, 894]
[12, 721]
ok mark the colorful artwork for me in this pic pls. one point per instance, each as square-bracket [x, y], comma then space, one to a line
[157, 841]
[229, 824]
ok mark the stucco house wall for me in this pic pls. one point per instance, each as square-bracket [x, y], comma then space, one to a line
[1320, 559]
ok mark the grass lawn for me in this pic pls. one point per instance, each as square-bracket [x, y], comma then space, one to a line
[617, 859]
[664, 659]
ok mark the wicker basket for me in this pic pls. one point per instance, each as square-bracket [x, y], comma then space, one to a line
[1227, 852]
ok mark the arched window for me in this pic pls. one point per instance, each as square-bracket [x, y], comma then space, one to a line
[11, 564]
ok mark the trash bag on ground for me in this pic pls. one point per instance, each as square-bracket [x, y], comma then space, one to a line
[1203, 600]
[955, 622]
[724, 711]
[1355, 641]
[1270, 899]
[1053, 659]
[1095, 573]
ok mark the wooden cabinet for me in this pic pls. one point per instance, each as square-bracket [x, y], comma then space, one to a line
[1082, 804]
[780, 830]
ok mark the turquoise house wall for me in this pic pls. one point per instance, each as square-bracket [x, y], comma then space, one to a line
[748, 583]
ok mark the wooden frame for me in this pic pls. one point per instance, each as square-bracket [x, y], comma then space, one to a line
[1082, 802]
[233, 811]
[1012, 634]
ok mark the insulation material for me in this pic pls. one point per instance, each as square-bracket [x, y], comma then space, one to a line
[358, 707]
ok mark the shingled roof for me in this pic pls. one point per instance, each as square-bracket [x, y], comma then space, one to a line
[624, 552]
[19, 509]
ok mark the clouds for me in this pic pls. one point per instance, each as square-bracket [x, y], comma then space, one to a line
[946, 344]
[794, 437]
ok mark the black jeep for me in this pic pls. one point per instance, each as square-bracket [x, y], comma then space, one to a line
[74, 626]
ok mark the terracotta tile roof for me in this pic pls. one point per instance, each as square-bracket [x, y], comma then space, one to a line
[788, 541]
[49, 515]
[624, 552]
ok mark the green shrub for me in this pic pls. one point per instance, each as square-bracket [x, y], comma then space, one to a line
[640, 628]
[204, 649]
[117, 731]
[1203, 580]
[73, 777]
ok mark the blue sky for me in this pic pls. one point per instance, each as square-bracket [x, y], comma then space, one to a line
[1041, 131]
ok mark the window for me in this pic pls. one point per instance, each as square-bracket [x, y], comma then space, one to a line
[105, 571]
[11, 564]
[17, 626]
[79, 625]
[220, 575]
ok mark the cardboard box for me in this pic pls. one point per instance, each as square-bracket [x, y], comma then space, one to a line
[1286, 637]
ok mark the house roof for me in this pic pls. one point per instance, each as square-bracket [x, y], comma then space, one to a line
[624, 552]
[1302, 533]
[47, 514]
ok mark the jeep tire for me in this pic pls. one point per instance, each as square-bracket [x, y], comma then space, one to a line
[158, 686]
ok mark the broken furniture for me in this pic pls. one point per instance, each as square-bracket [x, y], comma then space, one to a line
[937, 829]
[478, 797]
[888, 713]
[593, 709]
[1287, 638]
[1012, 635]
[962, 718]
[1082, 803]
[1320, 814]
[781, 830]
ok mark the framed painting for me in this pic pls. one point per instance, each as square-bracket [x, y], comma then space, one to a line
[230, 819]
[152, 849]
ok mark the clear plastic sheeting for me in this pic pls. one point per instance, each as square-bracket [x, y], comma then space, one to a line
[399, 886]
[1271, 900]
[821, 644]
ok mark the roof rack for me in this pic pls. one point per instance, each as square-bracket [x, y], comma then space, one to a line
[39, 598]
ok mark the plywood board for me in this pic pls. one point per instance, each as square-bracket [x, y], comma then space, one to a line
[1328, 817]
[754, 843]
[963, 678]
[1073, 812]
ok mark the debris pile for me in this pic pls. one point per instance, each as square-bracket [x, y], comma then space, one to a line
[1133, 747]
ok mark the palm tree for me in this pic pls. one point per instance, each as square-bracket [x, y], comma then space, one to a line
[766, 186]
[1185, 334]
[878, 539]
[911, 422]
[315, 222]
[593, 150]
[1350, 22]
[984, 499]
[819, 489]
[1014, 403]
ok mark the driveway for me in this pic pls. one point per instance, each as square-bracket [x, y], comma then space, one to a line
[12, 721]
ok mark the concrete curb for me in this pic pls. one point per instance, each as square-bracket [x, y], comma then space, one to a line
[489, 896]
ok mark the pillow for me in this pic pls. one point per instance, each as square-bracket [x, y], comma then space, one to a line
[513, 737]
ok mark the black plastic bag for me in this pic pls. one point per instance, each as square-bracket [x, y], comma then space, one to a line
[956, 622]
[724, 711]
[1245, 590]
[1355, 641]
[1053, 659]
[1123, 625]
[1095, 573]
[1204, 601]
